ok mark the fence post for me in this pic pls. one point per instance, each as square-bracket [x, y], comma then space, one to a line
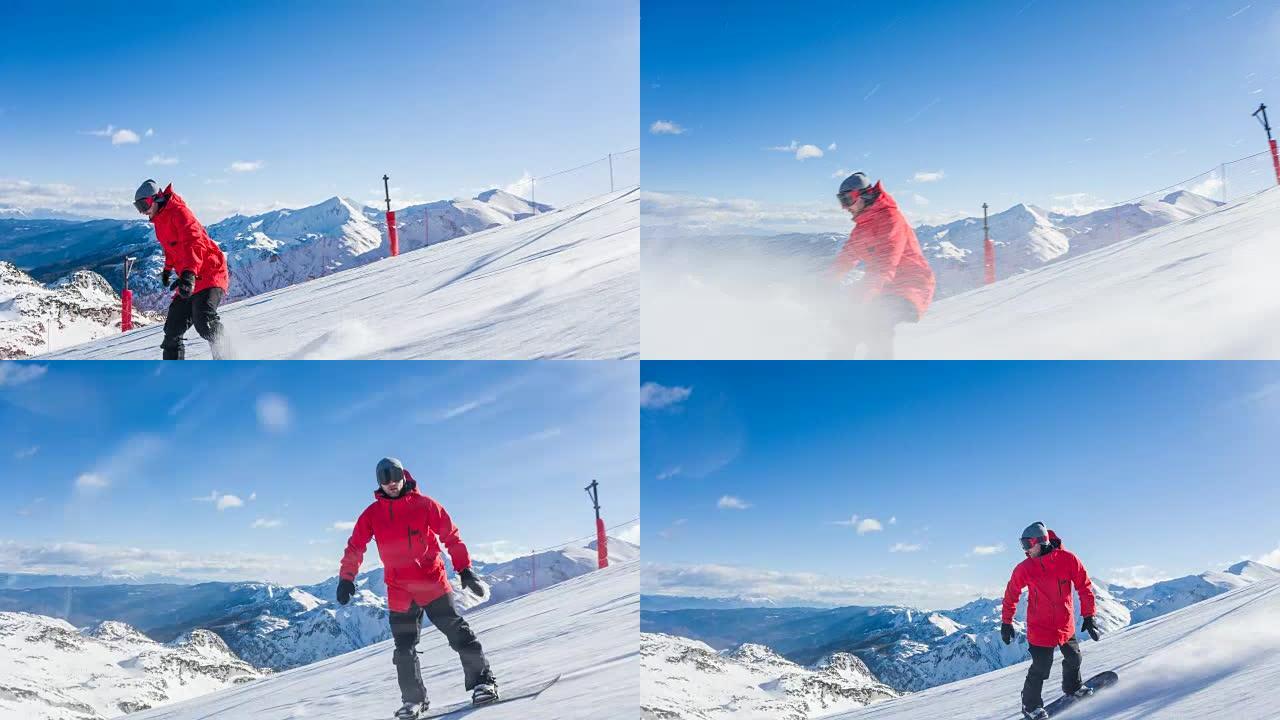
[391, 219]
[988, 251]
[126, 299]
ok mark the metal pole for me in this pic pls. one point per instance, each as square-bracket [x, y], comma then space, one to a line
[1266, 124]
[610, 172]
[386, 188]
[988, 251]
[126, 298]
[392, 236]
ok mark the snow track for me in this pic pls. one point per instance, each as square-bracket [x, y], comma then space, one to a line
[559, 285]
[586, 629]
[1219, 658]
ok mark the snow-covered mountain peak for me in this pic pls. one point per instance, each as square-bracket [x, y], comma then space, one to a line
[205, 642]
[112, 630]
[757, 654]
[1254, 571]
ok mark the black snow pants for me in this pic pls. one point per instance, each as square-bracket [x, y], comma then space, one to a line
[201, 310]
[406, 628]
[1042, 663]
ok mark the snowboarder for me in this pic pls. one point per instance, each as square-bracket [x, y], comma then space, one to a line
[406, 524]
[1049, 572]
[200, 265]
[898, 284]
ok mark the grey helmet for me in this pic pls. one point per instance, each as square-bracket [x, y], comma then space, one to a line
[856, 184]
[147, 190]
[389, 470]
[1036, 533]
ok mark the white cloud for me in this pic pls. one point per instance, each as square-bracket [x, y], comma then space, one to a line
[928, 176]
[343, 526]
[869, 525]
[919, 199]
[729, 502]
[694, 216]
[1078, 204]
[804, 152]
[655, 397]
[841, 174]
[253, 496]
[831, 147]
[665, 127]
[228, 501]
[670, 473]
[1136, 576]
[988, 549]
[91, 481]
[222, 501]
[77, 558]
[906, 547]
[631, 534]
[804, 588]
[17, 373]
[109, 202]
[124, 137]
[523, 187]
[1210, 187]
[668, 532]
[162, 160]
[267, 523]
[274, 414]
[893, 520]
[149, 132]
[24, 453]
[30, 507]
[1271, 558]
[244, 166]
[105, 132]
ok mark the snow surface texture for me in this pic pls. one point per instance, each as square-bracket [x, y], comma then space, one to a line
[1197, 287]
[906, 649]
[688, 680]
[1219, 658]
[584, 630]
[49, 670]
[37, 318]
[558, 285]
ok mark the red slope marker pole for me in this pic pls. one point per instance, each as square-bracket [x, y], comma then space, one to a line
[988, 250]
[126, 299]
[1266, 125]
[391, 219]
[602, 543]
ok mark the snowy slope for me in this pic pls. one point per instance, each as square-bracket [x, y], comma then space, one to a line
[1165, 597]
[688, 680]
[49, 670]
[560, 284]
[525, 574]
[35, 318]
[1197, 289]
[585, 630]
[1219, 658]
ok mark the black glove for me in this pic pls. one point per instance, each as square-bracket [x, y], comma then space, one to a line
[471, 582]
[165, 277]
[346, 589]
[1006, 633]
[186, 284]
[1090, 628]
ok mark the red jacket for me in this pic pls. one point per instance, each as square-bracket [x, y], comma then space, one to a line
[187, 246]
[884, 241]
[406, 529]
[1050, 618]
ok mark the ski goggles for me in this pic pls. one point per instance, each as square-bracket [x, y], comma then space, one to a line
[847, 199]
[390, 476]
[1028, 543]
[144, 204]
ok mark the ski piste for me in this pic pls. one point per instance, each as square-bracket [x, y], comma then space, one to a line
[464, 708]
[1097, 682]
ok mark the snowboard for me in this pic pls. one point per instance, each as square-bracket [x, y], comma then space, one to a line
[465, 708]
[1097, 682]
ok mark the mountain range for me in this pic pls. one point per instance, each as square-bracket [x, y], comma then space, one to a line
[911, 650]
[278, 626]
[51, 670]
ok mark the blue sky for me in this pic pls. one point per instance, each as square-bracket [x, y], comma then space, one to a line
[313, 99]
[753, 472]
[1069, 105]
[242, 470]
